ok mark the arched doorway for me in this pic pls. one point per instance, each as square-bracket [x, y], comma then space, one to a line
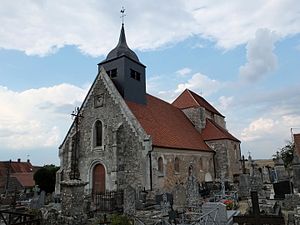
[99, 179]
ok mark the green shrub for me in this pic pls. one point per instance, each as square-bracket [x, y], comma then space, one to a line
[120, 220]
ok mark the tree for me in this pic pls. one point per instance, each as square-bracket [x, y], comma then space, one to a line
[45, 178]
[287, 154]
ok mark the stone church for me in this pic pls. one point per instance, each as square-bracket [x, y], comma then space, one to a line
[124, 136]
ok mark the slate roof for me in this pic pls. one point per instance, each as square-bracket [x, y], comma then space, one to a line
[213, 131]
[189, 99]
[167, 125]
[122, 49]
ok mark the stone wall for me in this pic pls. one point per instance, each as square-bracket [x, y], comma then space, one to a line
[201, 162]
[196, 116]
[219, 120]
[227, 157]
[125, 144]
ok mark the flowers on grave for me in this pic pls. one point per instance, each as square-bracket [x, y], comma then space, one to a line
[229, 203]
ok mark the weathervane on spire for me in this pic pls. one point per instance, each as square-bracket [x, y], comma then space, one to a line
[122, 14]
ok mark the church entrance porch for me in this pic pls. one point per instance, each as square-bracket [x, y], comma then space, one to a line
[98, 179]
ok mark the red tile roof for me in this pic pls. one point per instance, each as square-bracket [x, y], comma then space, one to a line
[167, 125]
[21, 167]
[297, 143]
[213, 131]
[189, 99]
[21, 171]
[25, 179]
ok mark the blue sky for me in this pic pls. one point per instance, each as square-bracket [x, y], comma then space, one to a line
[243, 57]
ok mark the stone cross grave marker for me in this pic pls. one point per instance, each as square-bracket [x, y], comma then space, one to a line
[41, 200]
[129, 200]
[38, 201]
[256, 218]
[165, 201]
[192, 192]
[34, 200]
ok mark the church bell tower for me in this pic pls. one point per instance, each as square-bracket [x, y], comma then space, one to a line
[126, 71]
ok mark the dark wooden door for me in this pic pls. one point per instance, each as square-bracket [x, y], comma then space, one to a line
[99, 179]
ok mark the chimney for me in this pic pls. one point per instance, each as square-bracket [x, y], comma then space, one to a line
[19, 160]
[28, 160]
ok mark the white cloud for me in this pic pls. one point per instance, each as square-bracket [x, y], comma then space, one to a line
[266, 135]
[42, 27]
[225, 102]
[258, 129]
[201, 84]
[184, 71]
[260, 56]
[34, 118]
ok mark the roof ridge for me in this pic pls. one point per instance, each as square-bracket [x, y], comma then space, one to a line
[189, 91]
[209, 104]
[222, 129]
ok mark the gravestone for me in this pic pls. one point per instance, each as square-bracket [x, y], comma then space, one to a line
[282, 188]
[179, 194]
[256, 178]
[35, 199]
[165, 201]
[217, 210]
[281, 172]
[244, 185]
[41, 200]
[192, 192]
[129, 200]
[256, 217]
[266, 175]
[38, 201]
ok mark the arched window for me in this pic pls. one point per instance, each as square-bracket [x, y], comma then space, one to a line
[176, 165]
[160, 163]
[201, 164]
[190, 170]
[235, 152]
[98, 133]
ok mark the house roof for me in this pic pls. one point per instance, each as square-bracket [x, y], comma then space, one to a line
[15, 167]
[213, 131]
[20, 173]
[167, 125]
[25, 179]
[189, 99]
[297, 143]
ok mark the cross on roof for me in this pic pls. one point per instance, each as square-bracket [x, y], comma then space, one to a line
[122, 11]
[256, 218]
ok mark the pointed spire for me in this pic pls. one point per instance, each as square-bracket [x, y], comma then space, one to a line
[122, 48]
[122, 38]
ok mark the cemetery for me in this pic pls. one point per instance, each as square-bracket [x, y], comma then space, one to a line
[256, 199]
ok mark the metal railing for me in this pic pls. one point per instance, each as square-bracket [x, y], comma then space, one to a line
[108, 201]
[187, 217]
[16, 218]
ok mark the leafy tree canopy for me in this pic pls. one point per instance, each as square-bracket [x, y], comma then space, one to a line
[45, 178]
[287, 153]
